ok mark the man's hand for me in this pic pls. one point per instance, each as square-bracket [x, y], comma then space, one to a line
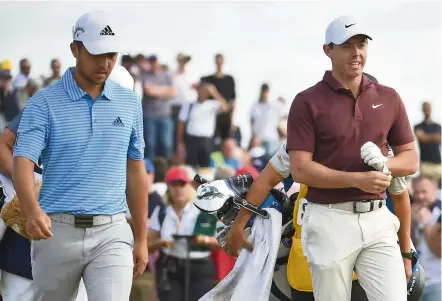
[236, 240]
[140, 255]
[372, 155]
[407, 266]
[38, 225]
[374, 182]
[424, 215]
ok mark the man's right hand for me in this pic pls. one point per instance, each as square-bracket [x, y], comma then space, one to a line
[374, 182]
[38, 225]
[236, 240]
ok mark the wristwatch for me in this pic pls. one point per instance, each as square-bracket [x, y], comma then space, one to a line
[408, 255]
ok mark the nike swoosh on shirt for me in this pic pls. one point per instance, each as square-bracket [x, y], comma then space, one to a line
[376, 106]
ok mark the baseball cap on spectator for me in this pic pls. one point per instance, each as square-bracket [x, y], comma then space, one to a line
[181, 57]
[343, 28]
[152, 58]
[177, 174]
[99, 33]
[5, 73]
[148, 165]
[248, 169]
[6, 64]
[122, 77]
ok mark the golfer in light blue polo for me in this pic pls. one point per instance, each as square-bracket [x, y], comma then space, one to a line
[89, 133]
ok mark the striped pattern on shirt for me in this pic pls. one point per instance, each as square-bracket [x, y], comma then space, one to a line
[84, 145]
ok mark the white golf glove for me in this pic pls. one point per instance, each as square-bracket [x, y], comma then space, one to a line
[372, 156]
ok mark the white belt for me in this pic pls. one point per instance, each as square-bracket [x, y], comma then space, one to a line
[86, 221]
[357, 206]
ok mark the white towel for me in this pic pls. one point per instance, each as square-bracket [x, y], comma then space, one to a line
[251, 277]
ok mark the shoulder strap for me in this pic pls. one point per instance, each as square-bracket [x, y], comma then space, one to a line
[162, 215]
[190, 110]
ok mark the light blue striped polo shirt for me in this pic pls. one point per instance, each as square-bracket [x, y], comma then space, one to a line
[84, 145]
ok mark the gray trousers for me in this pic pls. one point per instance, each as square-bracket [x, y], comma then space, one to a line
[102, 255]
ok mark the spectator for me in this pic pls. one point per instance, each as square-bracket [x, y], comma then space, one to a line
[20, 81]
[426, 227]
[142, 63]
[266, 116]
[158, 124]
[196, 125]
[186, 84]
[56, 74]
[428, 134]
[22, 78]
[161, 165]
[127, 62]
[257, 153]
[6, 65]
[226, 156]
[31, 87]
[225, 84]
[180, 217]
[9, 106]
[164, 68]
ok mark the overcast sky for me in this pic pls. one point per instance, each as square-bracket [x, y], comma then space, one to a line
[276, 42]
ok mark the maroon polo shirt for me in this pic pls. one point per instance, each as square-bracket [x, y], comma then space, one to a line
[328, 121]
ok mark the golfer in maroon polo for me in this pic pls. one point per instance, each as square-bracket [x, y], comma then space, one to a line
[346, 224]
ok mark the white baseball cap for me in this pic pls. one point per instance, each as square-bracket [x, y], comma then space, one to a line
[98, 32]
[122, 77]
[344, 28]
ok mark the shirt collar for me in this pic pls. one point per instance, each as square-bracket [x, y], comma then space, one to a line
[76, 93]
[336, 86]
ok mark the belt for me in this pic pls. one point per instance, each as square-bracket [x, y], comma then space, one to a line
[87, 221]
[358, 206]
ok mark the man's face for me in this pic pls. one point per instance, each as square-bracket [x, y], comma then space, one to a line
[94, 68]
[56, 66]
[219, 60]
[425, 192]
[25, 67]
[349, 58]
[229, 148]
[426, 109]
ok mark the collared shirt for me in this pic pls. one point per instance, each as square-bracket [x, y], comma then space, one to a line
[84, 145]
[186, 224]
[329, 122]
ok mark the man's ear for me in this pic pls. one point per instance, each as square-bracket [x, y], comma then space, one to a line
[327, 50]
[74, 50]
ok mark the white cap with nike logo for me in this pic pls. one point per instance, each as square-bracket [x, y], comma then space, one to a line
[343, 28]
[99, 33]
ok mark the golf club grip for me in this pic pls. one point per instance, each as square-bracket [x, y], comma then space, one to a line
[199, 179]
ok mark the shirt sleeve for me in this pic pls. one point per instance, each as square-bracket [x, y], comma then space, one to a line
[136, 143]
[184, 112]
[400, 133]
[13, 125]
[301, 126]
[280, 161]
[34, 129]
[154, 221]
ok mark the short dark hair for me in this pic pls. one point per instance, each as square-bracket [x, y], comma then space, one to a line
[331, 45]
[79, 44]
[219, 55]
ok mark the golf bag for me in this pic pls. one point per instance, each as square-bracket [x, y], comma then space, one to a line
[224, 198]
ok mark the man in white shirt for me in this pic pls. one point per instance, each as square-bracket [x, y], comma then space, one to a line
[196, 125]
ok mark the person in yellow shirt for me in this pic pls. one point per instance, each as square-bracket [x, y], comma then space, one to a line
[298, 273]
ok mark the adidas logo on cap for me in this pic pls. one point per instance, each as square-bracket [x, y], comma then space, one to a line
[107, 31]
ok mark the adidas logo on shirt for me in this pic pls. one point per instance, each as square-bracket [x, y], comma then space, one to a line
[107, 31]
[118, 122]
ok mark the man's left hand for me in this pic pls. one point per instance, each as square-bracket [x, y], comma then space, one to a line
[372, 155]
[407, 266]
[140, 256]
